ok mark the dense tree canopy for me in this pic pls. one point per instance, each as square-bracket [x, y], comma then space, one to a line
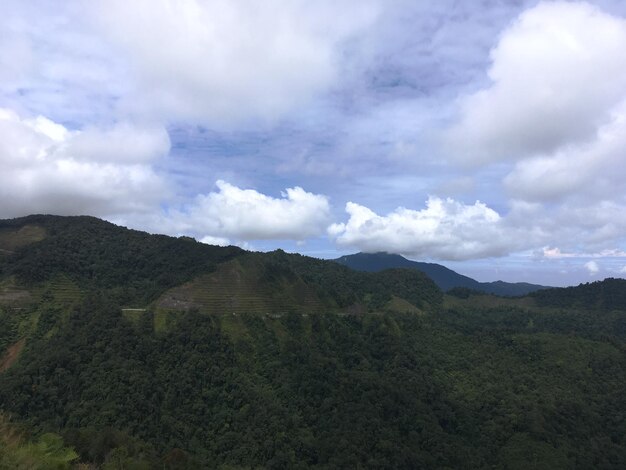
[390, 376]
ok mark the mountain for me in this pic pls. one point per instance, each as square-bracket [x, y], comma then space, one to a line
[121, 349]
[65, 255]
[445, 278]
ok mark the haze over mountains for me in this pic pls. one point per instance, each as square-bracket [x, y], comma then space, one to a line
[445, 278]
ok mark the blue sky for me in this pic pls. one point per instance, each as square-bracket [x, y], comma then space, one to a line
[489, 136]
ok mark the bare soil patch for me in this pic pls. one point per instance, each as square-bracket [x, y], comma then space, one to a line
[11, 354]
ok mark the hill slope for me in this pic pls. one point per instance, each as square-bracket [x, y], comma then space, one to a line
[445, 278]
[69, 256]
[131, 265]
[231, 359]
[609, 294]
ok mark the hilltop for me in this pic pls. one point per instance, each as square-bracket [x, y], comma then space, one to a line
[137, 269]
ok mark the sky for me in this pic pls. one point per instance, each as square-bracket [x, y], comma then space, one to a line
[488, 136]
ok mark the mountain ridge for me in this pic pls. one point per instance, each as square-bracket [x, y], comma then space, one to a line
[444, 277]
[136, 269]
[149, 351]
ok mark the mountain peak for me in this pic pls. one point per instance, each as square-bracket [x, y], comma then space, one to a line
[445, 278]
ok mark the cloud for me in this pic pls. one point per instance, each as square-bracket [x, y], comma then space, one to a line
[580, 226]
[556, 253]
[223, 62]
[551, 125]
[595, 168]
[122, 143]
[218, 241]
[246, 214]
[445, 229]
[556, 74]
[592, 267]
[47, 168]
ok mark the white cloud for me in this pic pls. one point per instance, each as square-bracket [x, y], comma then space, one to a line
[556, 108]
[556, 74]
[219, 241]
[556, 253]
[222, 62]
[246, 214]
[445, 229]
[592, 267]
[48, 168]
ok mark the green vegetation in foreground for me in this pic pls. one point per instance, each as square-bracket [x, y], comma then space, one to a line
[504, 388]
[18, 453]
[323, 367]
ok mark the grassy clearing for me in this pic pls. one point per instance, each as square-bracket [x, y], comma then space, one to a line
[397, 304]
[13, 296]
[234, 327]
[165, 319]
[48, 452]
[133, 315]
[160, 320]
[11, 239]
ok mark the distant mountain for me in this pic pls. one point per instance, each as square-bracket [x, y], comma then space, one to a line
[444, 277]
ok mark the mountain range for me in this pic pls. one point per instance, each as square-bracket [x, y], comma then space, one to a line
[444, 277]
[121, 349]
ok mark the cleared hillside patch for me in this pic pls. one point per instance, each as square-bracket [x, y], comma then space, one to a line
[11, 354]
[12, 239]
[62, 290]
[398, 304]
[241, 286]
[11, 295]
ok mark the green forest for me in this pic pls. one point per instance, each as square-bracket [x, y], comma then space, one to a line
[114, 355]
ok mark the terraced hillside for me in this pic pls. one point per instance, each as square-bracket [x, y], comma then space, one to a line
[240, 286]
[63, 259]
[277, 283]
[12, 295]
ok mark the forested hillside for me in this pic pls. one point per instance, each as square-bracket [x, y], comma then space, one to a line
[130, 265]
[609, 294]
[121, 349]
